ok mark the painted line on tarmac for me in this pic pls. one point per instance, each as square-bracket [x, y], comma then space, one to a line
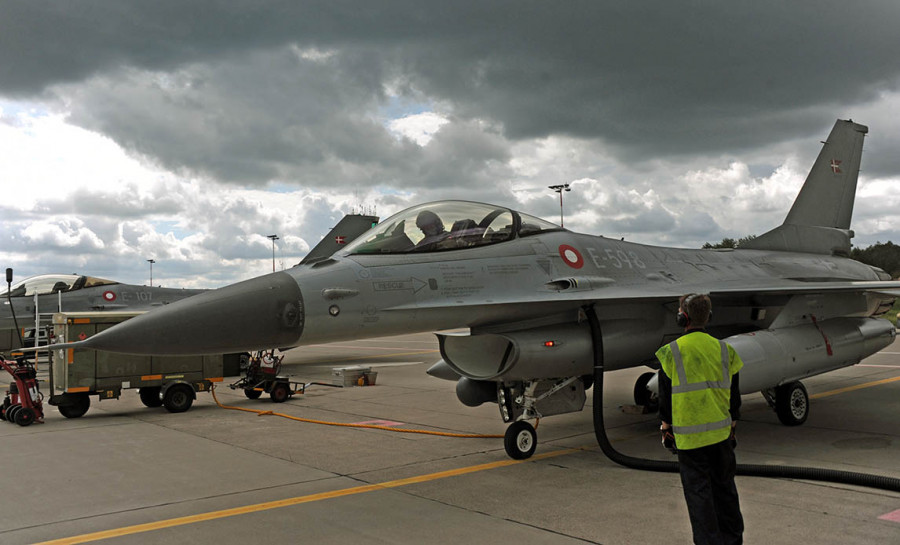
[893, 516]
[256, 508]
[853, 388]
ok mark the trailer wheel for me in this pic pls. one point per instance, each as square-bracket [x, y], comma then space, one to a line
[252, 393]
[24, 417]
[11, 412]
[178, 398]
[75, 405]
[280, 392]
[150, 396]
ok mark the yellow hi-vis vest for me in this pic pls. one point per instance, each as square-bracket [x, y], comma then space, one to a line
[700, 367]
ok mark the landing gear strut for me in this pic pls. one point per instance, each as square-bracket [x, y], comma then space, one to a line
[533, 399]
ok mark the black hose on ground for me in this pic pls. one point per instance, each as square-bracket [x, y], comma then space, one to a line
[749, 470]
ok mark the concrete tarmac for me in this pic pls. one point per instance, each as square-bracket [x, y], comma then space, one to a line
[127, 474]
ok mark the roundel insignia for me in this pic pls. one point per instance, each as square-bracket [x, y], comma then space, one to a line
[82, 336]
[571, 256]
[109, 296]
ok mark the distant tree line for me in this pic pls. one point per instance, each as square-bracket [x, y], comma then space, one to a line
[728, 243]
[885, 256]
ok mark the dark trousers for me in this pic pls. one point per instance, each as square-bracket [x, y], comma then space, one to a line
[707, 476]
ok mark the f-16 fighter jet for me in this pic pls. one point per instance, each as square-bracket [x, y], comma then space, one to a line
[541, 303]
[76, 293]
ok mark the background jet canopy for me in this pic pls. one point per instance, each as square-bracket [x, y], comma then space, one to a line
[53, 283]
[447, 225]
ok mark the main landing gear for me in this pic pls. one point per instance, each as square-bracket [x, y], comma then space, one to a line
[790, 401]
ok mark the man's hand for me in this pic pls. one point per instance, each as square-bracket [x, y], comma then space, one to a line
[732, 438]
[668, 439]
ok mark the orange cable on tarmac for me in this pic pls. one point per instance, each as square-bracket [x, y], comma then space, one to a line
[344, 425]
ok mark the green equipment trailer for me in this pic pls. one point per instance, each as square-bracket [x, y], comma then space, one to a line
[170, 381]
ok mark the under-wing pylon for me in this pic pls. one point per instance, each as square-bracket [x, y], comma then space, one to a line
[791, 302]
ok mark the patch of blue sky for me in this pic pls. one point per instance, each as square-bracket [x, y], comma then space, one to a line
[281, 187]
[398, 107]
[15, 108]
[168, 226]
[758, 171]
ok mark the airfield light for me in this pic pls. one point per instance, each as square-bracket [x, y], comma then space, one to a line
[151, 262]
[273, 238]
[559, 189]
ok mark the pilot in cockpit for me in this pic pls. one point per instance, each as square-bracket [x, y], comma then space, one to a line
[432, 227]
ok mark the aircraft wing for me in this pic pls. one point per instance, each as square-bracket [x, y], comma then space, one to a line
[603, 290]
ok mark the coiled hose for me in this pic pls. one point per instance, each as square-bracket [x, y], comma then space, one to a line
[750, 470]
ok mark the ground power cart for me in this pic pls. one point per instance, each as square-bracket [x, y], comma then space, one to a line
[169, 381]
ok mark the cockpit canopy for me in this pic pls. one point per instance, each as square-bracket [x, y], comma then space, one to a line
[446, 225]
[53, 283]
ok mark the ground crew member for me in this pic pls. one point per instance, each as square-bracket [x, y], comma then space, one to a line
[699, 405]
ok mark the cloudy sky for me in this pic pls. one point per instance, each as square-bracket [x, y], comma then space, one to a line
[186, 132]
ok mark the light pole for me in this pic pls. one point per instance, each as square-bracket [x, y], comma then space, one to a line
[151, 262]
[559, 189]
[273, 238]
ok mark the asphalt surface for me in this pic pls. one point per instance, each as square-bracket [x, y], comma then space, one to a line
[124, 473]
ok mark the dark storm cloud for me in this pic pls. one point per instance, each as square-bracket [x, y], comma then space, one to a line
[218, 88]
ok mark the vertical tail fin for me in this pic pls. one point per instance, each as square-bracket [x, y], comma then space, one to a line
[819, 220]
[345, 232]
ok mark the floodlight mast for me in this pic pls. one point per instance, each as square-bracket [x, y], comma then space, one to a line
[273, 238]
[559, 189]
[151, 262]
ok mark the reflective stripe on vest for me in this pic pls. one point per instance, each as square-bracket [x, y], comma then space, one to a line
[684, 386]
[700, 428]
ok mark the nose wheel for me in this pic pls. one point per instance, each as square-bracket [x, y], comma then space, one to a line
[520, 440]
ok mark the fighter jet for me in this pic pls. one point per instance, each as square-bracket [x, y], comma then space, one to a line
[74, 293]
[539, 303]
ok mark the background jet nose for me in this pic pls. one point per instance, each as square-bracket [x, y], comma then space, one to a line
[264, 312]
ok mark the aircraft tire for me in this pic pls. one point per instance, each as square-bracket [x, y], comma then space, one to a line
[252, 393]
[520, 440]
[150, 396]
[178, 398]
[280, 392]
[25, 416]
[642, 396]
[79, 404]
[792, 403]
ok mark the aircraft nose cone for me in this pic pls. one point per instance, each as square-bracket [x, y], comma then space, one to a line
[264, 312]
